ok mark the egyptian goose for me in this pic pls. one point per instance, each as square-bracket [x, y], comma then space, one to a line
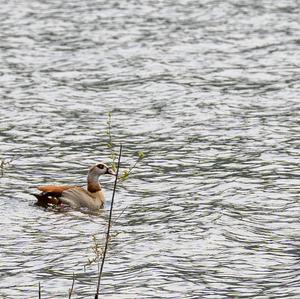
[74, 196]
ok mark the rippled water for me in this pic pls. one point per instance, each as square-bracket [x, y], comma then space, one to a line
[209, 91]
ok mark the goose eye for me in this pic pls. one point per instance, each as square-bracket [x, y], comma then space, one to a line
[101, 166]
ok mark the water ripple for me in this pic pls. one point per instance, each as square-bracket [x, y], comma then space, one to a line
[209, 91]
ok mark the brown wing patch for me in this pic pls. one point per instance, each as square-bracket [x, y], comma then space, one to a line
[53, 188]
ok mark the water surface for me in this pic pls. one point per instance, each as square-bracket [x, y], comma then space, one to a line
[209, 91]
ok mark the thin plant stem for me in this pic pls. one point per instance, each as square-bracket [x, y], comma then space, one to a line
[110, 145]
[118, 217]
[109, 225]
[71, 290]
[40, 291]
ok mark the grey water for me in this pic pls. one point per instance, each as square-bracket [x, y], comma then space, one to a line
[208, 90]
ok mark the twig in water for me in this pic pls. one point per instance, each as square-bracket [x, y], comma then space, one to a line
[117, 218]
[98, 251]
[124, 176]
[71, 290]
[40, 292]
[109, 225]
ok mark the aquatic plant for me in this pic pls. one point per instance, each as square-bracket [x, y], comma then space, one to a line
[98, 249]
[97, 246]
[108, 226]
[113, 154]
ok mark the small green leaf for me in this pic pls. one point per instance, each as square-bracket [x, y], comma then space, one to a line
[141, 155]
[124, 176]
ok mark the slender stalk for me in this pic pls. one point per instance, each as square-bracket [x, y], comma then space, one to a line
[109, 225]
[110, 145]
[71, 290]
[117, 218]
[40, 291]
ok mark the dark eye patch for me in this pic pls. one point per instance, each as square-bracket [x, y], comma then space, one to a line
[101, 166]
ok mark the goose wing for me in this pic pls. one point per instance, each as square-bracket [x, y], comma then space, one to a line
[54, 188]
[78, 197]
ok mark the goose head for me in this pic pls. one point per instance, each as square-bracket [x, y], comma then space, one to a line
[93, 176]
[100, 169]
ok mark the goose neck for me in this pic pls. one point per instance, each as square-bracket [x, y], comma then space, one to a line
[93, 184]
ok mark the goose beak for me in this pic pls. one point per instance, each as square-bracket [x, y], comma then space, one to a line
[110, 171]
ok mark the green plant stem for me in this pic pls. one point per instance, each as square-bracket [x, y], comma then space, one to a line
[110, 145]
[126, 173]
